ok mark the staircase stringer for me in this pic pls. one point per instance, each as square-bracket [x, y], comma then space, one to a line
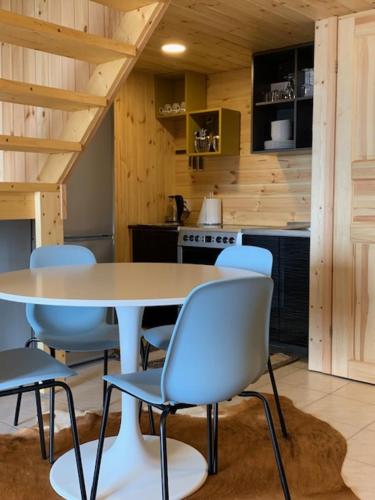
[136, 27]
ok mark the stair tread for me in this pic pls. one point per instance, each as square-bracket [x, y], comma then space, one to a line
[47, 97]
[37, 145]
[53, 38]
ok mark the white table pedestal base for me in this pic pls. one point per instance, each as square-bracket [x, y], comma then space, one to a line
[124, 475]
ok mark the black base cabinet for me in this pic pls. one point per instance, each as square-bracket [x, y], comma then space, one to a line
[152, 244]
[289, 325]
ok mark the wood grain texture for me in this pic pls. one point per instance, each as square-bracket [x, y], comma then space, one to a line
[16, 206]
[322, 195]
[144, 160]
[353, 353]
[47, 97]
[135, 28]
[255, 189]
[221, 35]
[40, 35]
[36, 145]
[49, 225]
[126, 5]
[343, 275]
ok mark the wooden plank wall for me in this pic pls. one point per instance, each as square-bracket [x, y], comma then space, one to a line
[255, 189]
[144, 160]
[322, 196]
[32, 66]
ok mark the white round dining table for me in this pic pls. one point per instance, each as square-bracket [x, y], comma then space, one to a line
[131, 464]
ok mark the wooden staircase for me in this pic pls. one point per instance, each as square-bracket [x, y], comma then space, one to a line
[111, 59]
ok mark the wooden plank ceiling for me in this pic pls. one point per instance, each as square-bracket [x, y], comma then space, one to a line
[221, 35]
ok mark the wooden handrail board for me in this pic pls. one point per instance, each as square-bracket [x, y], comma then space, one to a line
[47, 97]
[56, 39]
[125, 5]
[28, 187]
[36, 145]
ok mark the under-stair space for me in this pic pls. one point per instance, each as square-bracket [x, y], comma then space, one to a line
[60, 68]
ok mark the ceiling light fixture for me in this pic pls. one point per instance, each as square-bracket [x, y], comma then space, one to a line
[173, 48]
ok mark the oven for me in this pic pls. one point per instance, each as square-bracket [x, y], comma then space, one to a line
[202, 245]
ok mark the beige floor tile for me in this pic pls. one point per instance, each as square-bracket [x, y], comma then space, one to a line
[7, 429]
[361, 448]
[371, 427]
[8, 405]
[346, 430]
[301, 396]
[316, 381]
[348, 411]
[360, 477]
[358, 391]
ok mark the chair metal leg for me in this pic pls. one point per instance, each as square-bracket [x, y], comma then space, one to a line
[52, 419]
[145, 352]
[163, 453]
[99, 452]
[17, 410]
[40, 424]
[105, 371]
[19, 395]
[277, 399]
[51, 425]
[74, 430]
[215, 464]
[275, 444]
[151, 419]
[210, 439]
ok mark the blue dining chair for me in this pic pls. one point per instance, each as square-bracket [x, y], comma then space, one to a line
[218, 347]
[250, 258]
[30, 370]
[76, 329]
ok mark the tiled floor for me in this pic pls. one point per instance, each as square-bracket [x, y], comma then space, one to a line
[347, 406]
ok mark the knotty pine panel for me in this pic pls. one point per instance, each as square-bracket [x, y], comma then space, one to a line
[27, 65]
[255, 189]
[144, 160]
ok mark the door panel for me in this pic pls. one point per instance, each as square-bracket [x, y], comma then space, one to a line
[353, 335]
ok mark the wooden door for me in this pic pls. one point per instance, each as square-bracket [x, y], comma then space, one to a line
[353, 330]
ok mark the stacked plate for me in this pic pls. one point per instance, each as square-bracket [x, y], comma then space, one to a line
[278, 144]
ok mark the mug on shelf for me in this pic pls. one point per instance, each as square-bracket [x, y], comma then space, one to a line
[183, 106]
[167, 108]
[176, 108]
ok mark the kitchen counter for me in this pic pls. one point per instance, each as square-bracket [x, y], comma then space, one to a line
[276, 231]
[299, 232]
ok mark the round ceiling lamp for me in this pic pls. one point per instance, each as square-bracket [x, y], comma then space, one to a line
[173, 48]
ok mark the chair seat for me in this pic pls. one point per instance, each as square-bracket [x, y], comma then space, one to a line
[159, 336]
[101, 338]
[143, 385]
[25, 366]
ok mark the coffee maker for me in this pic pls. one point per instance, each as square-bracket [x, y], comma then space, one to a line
[177, 210]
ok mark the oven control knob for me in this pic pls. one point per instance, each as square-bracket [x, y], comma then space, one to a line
[225, 239]
[186, 237]
[197, 238]
[191, 238]
[218, 239]
[232, 240]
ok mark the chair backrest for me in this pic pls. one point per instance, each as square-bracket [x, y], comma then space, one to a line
[246, 257]
[220, 341]
[63, 319]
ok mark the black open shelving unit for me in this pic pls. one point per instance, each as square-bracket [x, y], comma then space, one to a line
[273, 67]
